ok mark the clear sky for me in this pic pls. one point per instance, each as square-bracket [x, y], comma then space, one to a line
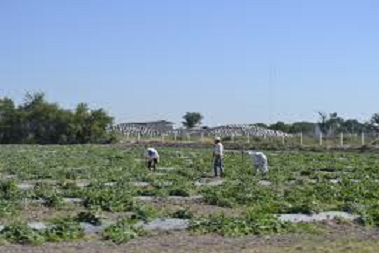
[236, 61]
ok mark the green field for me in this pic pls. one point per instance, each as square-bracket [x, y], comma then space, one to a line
[52, 194]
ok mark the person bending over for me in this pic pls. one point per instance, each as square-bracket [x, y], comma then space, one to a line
[259, 162]
[152, 158]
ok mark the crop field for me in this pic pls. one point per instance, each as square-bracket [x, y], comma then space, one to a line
[102, 198]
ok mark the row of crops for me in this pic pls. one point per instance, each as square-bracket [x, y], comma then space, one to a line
[62, 193]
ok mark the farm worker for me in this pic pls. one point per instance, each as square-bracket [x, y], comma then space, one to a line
[218, 157]
[259, 162]
[152, 158]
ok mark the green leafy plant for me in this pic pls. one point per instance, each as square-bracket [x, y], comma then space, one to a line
[21, 234]
[179, 191]
[144, 213]
[252, 223]
[64, 230]
[54, 200]
[9, 190]
[109, 200]
[8, 208]
[89, 217]
[49, 194]
[122, 232]
[182, 214]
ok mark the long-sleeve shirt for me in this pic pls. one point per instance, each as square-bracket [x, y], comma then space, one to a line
[218, 150]
[258, 158]
[151, 153]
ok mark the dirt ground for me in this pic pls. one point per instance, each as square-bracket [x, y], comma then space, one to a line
[337, 238]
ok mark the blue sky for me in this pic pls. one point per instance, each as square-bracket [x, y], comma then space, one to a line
[236, 61]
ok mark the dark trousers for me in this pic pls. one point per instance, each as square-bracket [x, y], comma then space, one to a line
[152, 164]
[218, 163]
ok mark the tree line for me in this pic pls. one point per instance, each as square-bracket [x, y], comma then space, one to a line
[194, 119]
[36, 121]
[328, 124]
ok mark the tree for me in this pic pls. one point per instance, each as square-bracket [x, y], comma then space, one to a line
[302, 127]
[330, 124]
[374, 122]
[281, 126]
[261, 125]
[31, 100]
[375, 119]
[353, 126]
[7, 118]
[323, 122]
[37, 121]
[192, 119]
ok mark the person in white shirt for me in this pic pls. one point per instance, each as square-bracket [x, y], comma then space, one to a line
[152, 158]
[218, 157]
[259, 162]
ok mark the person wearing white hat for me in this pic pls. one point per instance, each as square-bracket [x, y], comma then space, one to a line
[218, 157]
[259, 162]
[152, 158]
